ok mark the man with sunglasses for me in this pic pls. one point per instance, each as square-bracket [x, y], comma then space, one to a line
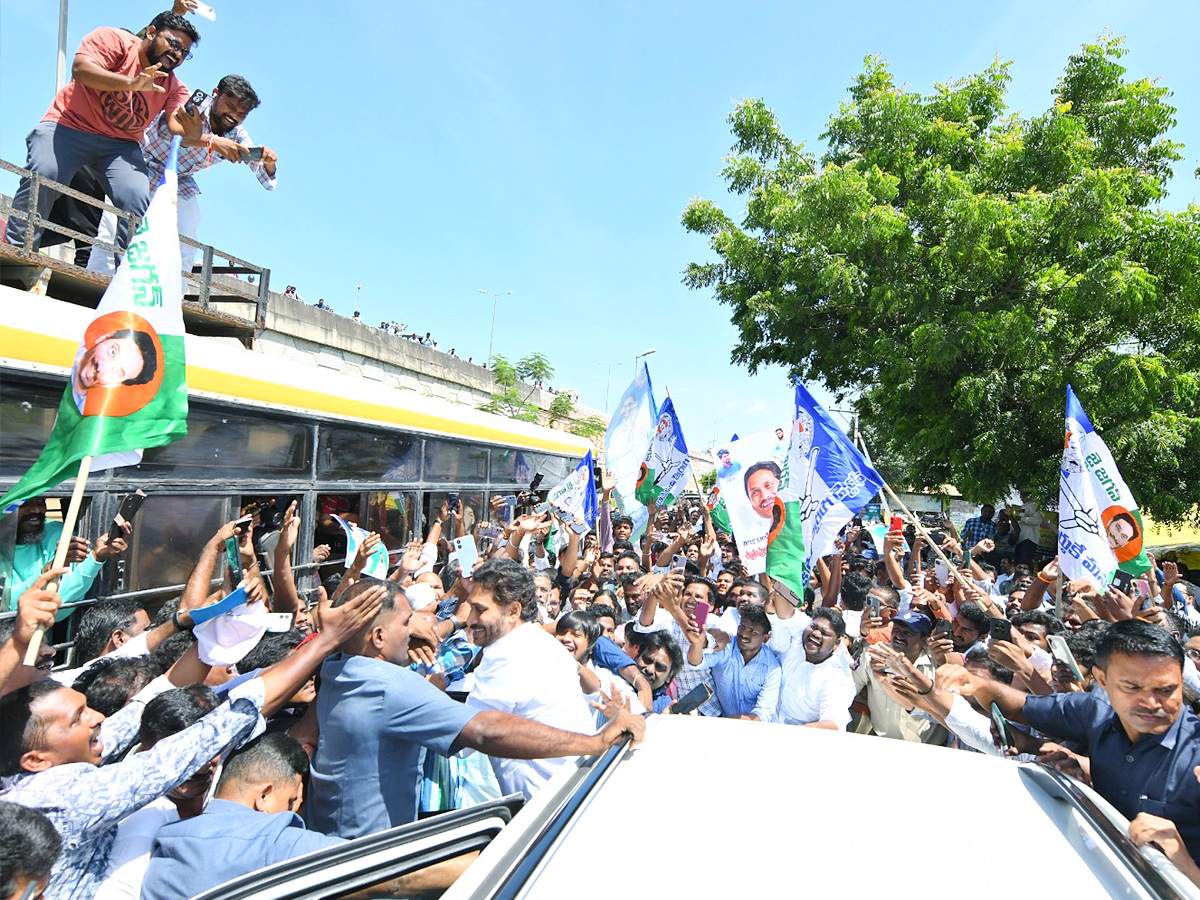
[119, 83]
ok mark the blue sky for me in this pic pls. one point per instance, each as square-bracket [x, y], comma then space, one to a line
[430, 149]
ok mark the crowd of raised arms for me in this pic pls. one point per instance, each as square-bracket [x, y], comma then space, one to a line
[178, 752]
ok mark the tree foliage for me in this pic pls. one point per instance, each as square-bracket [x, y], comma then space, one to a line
[953, 266]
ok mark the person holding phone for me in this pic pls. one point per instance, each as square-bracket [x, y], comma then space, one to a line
[213, 133]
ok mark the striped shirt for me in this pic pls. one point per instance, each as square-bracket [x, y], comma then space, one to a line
[745, 688]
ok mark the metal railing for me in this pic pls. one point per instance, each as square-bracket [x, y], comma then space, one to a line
[207, 294]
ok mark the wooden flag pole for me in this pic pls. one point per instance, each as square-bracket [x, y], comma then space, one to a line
[862, 445]
[928, 539]
[60, 554]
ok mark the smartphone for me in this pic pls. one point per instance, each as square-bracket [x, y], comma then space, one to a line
[510, 508]
[194, 101]
[701, 614]
[242, 524]
[966, 559]
[897, 525]
[1142, 589]
[254, 154]
[129, 507]
[1001, 726]
[234, 559]
[491, 532]
[943, 628]
[1122, 581]
[999, 629]
[542, 508]
[467, 552]
[452, 502]
[937, 538]
[875, 606]
[943, 572]
[691, 701]
[279, 623]
[1061, 652]
[679, 561]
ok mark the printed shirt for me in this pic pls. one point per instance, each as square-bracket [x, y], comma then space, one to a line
[85, 803]
[156, 145]
[123, 115]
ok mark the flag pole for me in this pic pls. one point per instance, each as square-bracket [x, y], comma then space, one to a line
[60, 554]
[862, 445]
[928, 539]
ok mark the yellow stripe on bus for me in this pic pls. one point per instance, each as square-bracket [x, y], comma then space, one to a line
[33, 347]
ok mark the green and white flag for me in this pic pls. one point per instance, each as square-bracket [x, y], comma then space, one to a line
[127, 387]
[667, 469]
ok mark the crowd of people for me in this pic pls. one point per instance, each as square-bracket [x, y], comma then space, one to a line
[177, 751]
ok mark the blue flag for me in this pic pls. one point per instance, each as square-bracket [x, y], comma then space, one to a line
[667, 469]
[825, 482]
[574, 498]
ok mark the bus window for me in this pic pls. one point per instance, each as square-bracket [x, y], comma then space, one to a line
[168, 535]
[393, 515]
[223, 444]
[328, 531]
[359, 454]
[473, 508]
[446, 461]
[27, 411]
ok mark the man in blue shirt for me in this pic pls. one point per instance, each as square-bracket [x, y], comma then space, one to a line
[375, 715]
[747, 674]
[249, 824]
[1141, 739]
[979, 527]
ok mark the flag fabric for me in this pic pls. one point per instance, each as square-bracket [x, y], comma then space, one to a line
[625, 442]
[666, 471]
[377, 562]
[1099, 526]
[574, 498]
[717, 511]
[826, 482]
[127, 387]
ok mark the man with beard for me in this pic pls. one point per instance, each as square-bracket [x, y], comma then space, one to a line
[36, 541]
[213, 133]
[817, 686]
[119, 84]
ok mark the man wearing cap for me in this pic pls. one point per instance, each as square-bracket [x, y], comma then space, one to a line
[888, 718]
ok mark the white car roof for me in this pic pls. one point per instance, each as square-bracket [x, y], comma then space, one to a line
[716, 807]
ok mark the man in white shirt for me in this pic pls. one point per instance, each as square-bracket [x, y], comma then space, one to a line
[818, 686]
[525, 670]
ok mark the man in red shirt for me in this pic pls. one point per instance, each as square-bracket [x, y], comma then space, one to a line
[119, 83]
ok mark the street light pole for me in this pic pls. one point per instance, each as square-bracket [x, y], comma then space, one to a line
[638, 358]
[608, 383]
[60, 74]
[495, 303]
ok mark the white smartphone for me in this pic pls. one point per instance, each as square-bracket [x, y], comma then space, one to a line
[943, 572]
[467, 552]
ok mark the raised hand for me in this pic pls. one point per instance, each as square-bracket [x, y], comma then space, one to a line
[147, 80]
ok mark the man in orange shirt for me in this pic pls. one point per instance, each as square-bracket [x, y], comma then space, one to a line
[119, 83]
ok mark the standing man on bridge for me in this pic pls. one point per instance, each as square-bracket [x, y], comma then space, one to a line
[214, 132]
[119, 83]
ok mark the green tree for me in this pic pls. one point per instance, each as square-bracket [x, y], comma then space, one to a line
[708, 480]
[508, 401]
[953, 266]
